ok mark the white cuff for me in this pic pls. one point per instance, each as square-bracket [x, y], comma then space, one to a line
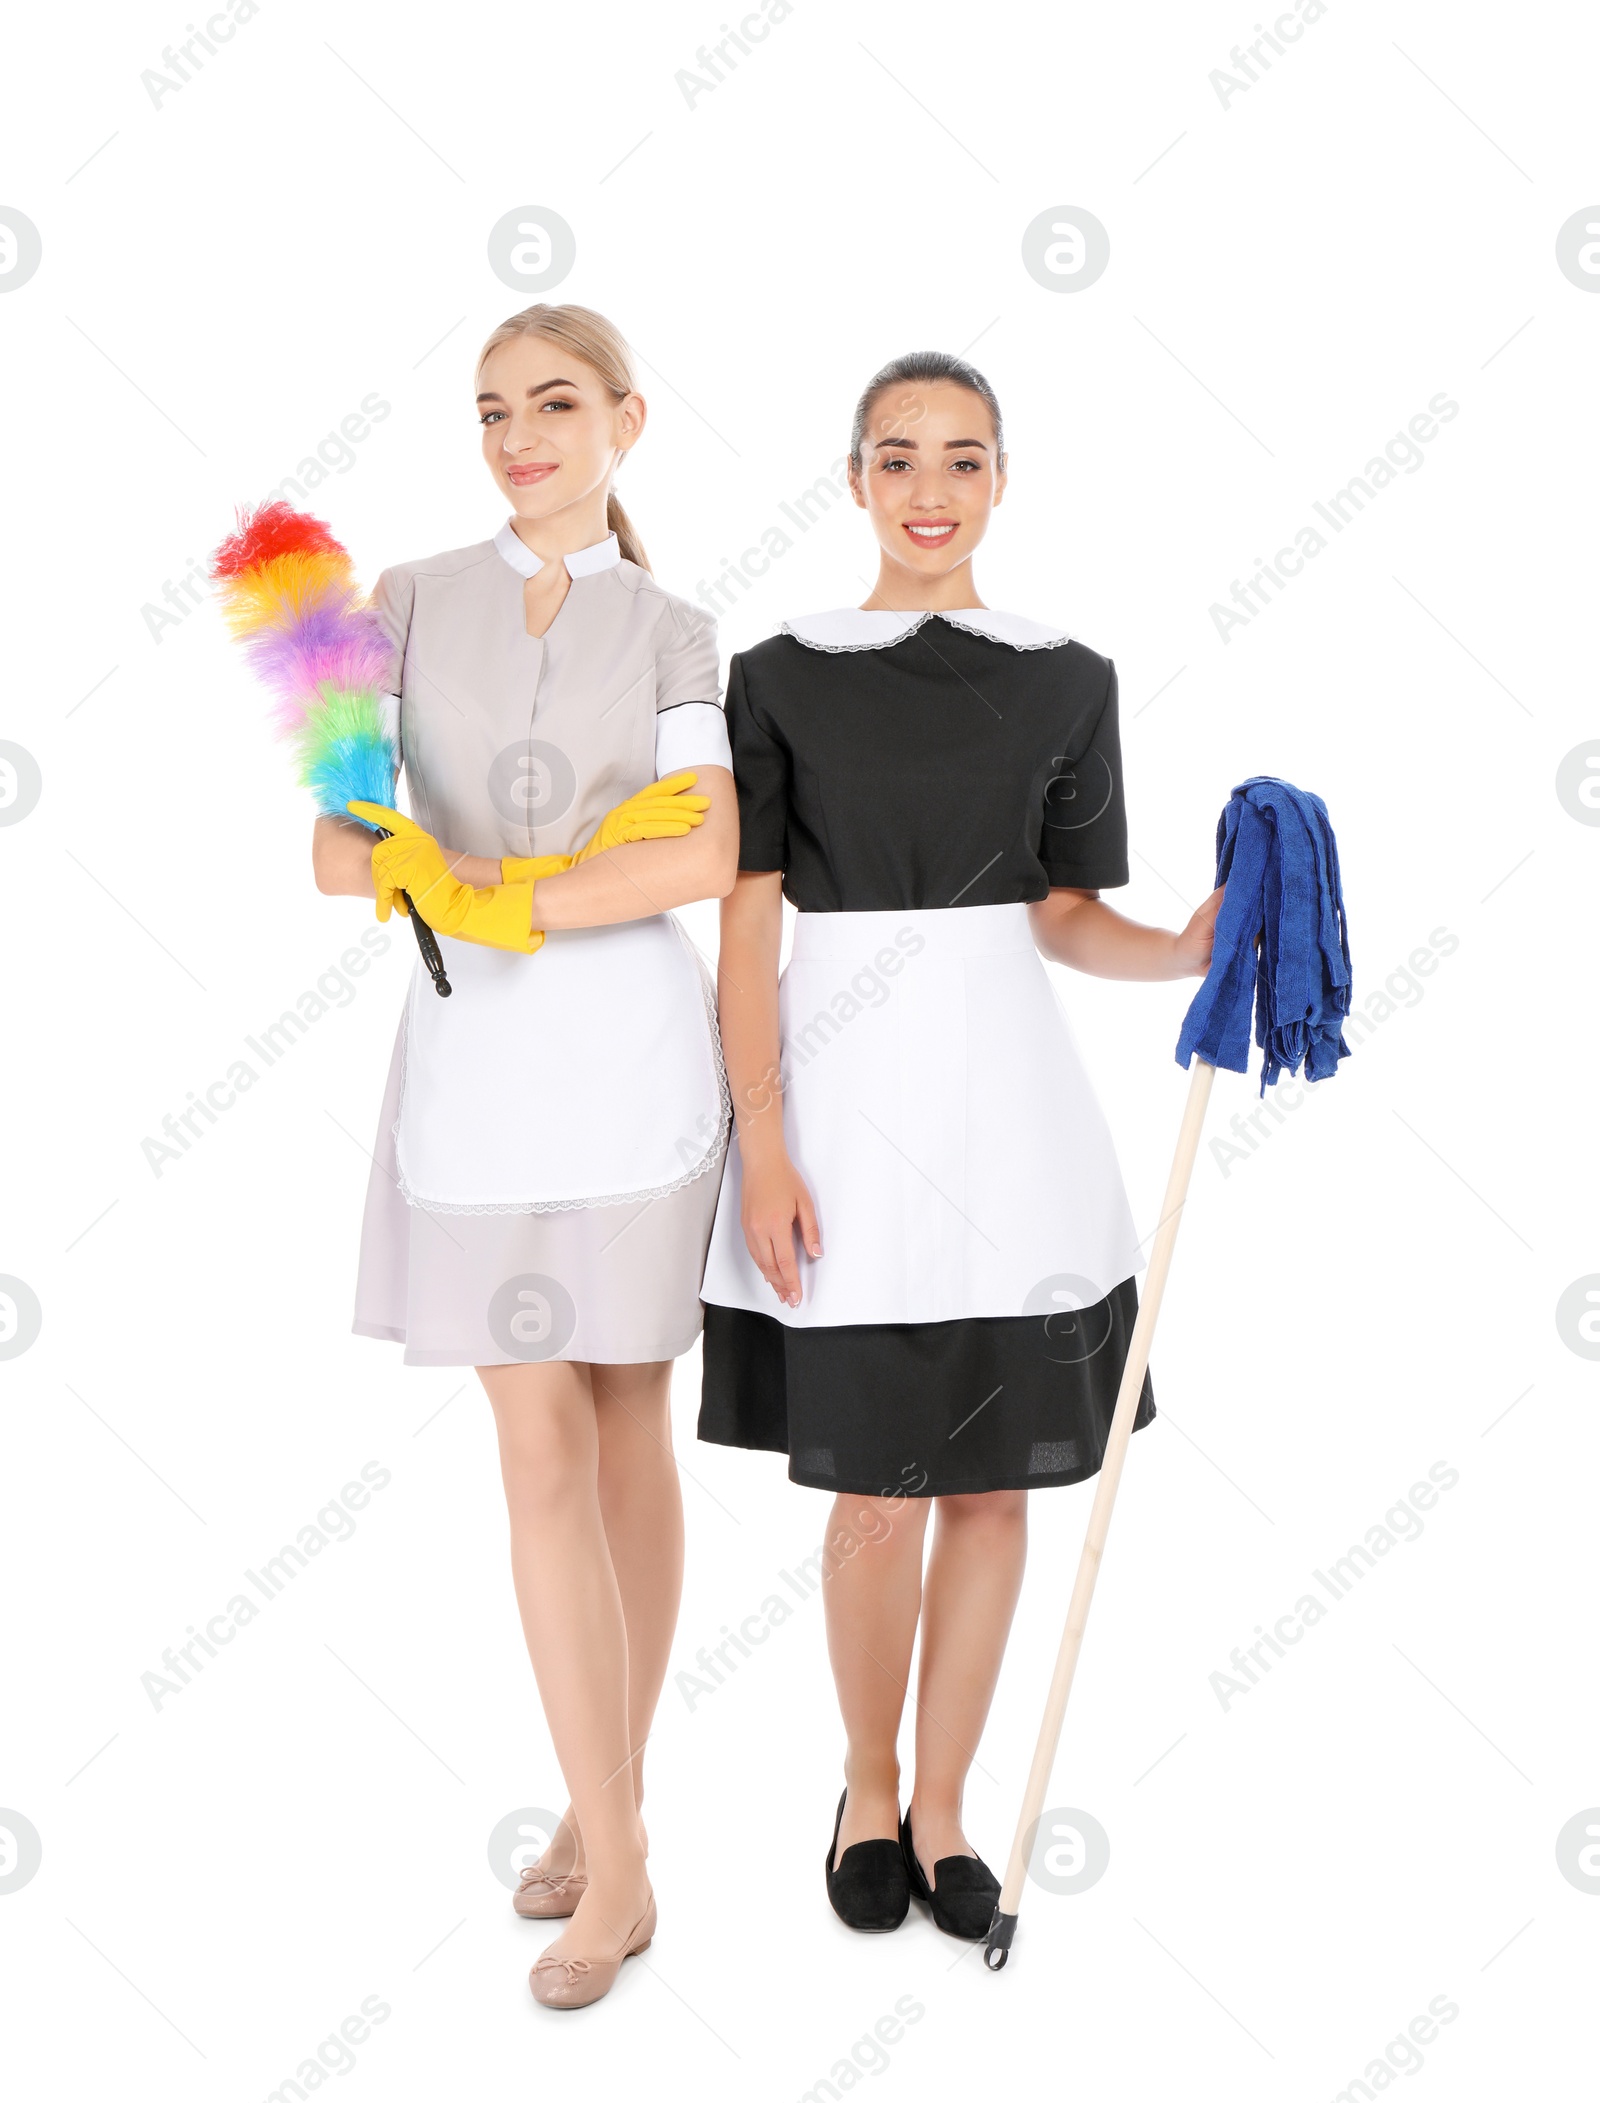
[692, 734]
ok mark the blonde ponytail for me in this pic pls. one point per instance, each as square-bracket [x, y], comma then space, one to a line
[628, 541]
[599, 344]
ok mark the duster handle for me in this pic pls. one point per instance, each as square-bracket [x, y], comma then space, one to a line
[427, 941]
[1003, 1926]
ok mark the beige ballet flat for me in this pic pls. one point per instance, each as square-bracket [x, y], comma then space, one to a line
[573, 1982]
[541, 1896]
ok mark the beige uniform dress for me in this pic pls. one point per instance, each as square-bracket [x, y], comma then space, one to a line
[552, 1136]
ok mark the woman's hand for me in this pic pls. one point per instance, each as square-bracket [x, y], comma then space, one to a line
[409, 860]
[774, 1201]
[1078, 928]
[341, 861]
[694, 855]
[661, 810]
[1194, 944]
[498, 915]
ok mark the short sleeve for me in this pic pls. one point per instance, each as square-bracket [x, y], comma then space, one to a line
[392, 598]
[1083, 840]
[686, 657]
[761, 775]
[390, 605]
[690, 731]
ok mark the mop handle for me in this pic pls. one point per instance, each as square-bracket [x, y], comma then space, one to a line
[427, 942]
[1003, 1927]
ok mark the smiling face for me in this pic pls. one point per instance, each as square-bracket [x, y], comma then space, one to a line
[552, 431]
[929, 475]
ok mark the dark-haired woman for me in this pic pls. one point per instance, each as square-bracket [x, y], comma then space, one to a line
[937, 787]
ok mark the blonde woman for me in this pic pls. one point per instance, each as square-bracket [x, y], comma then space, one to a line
[551, 1142]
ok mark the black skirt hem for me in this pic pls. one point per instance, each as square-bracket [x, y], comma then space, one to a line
[923, 1409]
[945, 1488]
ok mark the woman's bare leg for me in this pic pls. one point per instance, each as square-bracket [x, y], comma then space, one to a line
[572, 1617]
[642, 1506]
[872, 1569]
[980, 1544]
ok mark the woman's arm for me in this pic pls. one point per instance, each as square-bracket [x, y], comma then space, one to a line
[647, 876]
[341, 858]
[775, 1197]
[624, 883]
[1080, 929]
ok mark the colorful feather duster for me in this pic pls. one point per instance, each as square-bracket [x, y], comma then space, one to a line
[289, 594]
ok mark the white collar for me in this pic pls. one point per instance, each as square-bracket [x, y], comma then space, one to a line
[582, 562]
[857, 628]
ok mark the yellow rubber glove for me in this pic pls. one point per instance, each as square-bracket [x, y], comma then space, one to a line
[662, 810]
[497, 916]
[528, 868]
[396, 822]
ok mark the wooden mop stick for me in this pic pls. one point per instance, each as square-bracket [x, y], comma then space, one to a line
[1003, 1927]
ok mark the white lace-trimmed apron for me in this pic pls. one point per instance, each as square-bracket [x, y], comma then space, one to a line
[588, 1073]
[938, 1108]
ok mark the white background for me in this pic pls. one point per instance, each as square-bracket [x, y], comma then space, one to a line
[1369, 1292]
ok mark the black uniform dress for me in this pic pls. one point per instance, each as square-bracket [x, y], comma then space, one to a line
[917, 780]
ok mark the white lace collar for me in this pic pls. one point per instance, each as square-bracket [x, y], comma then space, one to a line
[582, 562]
[856, 628]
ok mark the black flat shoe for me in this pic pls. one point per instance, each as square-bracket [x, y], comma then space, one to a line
[868, 1888]
[963, 1893]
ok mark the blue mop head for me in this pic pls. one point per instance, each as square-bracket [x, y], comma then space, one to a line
[1281, 941]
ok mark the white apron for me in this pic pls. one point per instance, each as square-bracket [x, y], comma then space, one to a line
[936, 1104]
[586, 1074]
